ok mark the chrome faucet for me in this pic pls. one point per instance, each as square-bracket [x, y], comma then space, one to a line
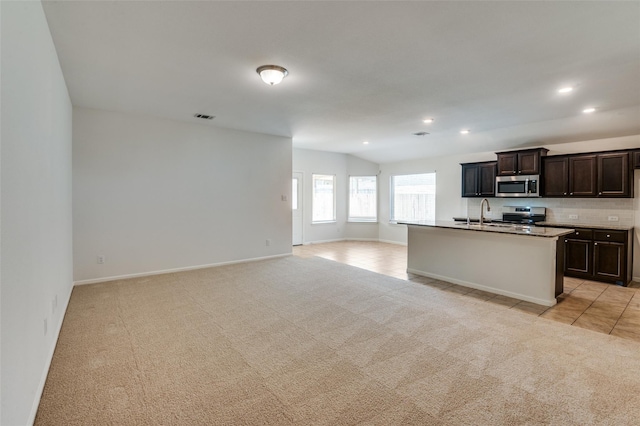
[482, 209]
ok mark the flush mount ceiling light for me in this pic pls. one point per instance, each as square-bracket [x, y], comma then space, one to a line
[272, 74]
[464, 131]
[564, 90]
[428, 120]
[588, 110]
[365, 143]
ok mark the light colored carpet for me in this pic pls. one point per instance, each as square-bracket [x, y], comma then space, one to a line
[314, 342]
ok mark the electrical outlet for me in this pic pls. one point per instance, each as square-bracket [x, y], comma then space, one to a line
[284, 198]
[268, 243]
[613, 218]
[573, 216]
[100, 259]
[45, 327]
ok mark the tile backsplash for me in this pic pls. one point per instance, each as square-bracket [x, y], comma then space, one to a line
[592, 211]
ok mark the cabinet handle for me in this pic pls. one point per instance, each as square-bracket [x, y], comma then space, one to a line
[564, 193]
[566, 241]
[595, 244]
[599, 193]
[577, 233]
[571, 193]
[608, 236]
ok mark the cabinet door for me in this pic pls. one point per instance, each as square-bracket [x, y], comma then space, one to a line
[507, 164]
[529, 163]
[582, 176]
[608, 261]
[613, 175]
[556, 176]
[577, 257]
[469, 180]
[487, 179]
[636, 159]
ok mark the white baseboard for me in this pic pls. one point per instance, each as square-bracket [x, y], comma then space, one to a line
[308, 243]
[170, 271]
[45, 371]
[636, 279]
[377, 240]
[393, 242]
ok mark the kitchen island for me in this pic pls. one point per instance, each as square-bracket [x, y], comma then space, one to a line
[524, 262]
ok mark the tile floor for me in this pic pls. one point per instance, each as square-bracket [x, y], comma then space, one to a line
[592, 305]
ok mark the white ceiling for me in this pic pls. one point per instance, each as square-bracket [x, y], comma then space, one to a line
[363, 70]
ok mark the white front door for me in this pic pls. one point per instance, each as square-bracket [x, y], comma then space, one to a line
[296, 208]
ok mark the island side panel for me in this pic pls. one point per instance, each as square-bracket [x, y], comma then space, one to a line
[559, 266]
[518, 266]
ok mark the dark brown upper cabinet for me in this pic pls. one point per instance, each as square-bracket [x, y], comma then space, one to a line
[605, 174]
[556, 176]
[614, 175]
[582, 176]
[636, 159]
[479, 179]
[524, 162]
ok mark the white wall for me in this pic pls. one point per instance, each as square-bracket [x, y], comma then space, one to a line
[154, 195]
[342, 166]
[35, 207]
[449, 202]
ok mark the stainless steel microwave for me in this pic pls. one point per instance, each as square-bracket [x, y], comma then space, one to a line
[518, 186]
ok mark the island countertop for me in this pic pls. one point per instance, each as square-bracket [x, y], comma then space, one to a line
[585, 225]
[503, 228]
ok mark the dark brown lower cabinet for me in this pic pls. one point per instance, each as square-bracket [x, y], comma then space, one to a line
[577, 257]
[608, 261]
[599, 254]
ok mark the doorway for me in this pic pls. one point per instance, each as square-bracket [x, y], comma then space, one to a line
[296, 208]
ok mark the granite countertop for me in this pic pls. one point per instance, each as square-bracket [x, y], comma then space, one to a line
[585, 225]
[534, 231]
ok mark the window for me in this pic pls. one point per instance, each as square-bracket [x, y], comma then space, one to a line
[324, 198]
[413, 197]
[362, 199]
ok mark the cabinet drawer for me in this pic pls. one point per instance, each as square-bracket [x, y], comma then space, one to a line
[617, 236]
[581, 234]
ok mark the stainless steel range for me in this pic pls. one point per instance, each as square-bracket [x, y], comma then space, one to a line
[524, 215]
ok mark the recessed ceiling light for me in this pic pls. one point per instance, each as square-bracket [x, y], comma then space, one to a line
[428, 120]
[464, 131]
[565, 89]
[588, 110]
[365, 143]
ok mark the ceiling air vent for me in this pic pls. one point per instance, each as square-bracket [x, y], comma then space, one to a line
[205, 117]
[421, 134]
